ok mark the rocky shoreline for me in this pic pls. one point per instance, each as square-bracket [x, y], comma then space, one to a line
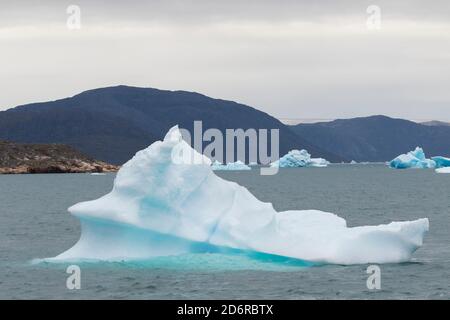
[18, 158]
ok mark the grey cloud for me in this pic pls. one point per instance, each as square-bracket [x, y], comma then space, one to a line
[315, 70]
[204, 11]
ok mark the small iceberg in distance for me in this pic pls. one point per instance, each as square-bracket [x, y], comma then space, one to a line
[231, 166]
[441, 162]
[161, 207]
[413, 159]
[298, 159]
[443, 170]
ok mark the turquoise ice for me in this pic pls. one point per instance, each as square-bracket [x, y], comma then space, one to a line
[441, 162]
[412, 159]
[162, 206]
[299, 158]
[231, 166]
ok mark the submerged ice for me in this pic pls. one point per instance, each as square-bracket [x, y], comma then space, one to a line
[299, 158]
[443, 170]
[159, 207]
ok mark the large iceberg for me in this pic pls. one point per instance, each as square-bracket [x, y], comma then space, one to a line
[299, 158]
[412, 159]
[231, 166]
[161, 207]
[441, 162]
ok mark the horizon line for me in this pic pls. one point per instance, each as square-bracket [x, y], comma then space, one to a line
[294, 121]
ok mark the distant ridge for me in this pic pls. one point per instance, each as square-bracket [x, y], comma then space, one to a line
[375, 138]
[435, 123]
[112, 123]
[294, 121]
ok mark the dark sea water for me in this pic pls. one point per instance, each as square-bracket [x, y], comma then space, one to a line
[34, 224]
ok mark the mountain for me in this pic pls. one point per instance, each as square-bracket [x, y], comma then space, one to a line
[435, 123]
[46, 158]
[375, 138]
[113, 123]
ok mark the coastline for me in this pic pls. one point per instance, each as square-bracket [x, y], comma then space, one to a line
[104, 168]
[20, 158]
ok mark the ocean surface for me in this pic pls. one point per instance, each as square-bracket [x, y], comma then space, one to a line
[34, 224]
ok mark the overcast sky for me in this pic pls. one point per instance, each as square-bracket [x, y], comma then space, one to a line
[292, 59]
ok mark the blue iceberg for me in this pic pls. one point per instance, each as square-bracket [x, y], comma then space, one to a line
[231, 166]
[441, 162]
[412, 159]
[297, 159]
[161, 205]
